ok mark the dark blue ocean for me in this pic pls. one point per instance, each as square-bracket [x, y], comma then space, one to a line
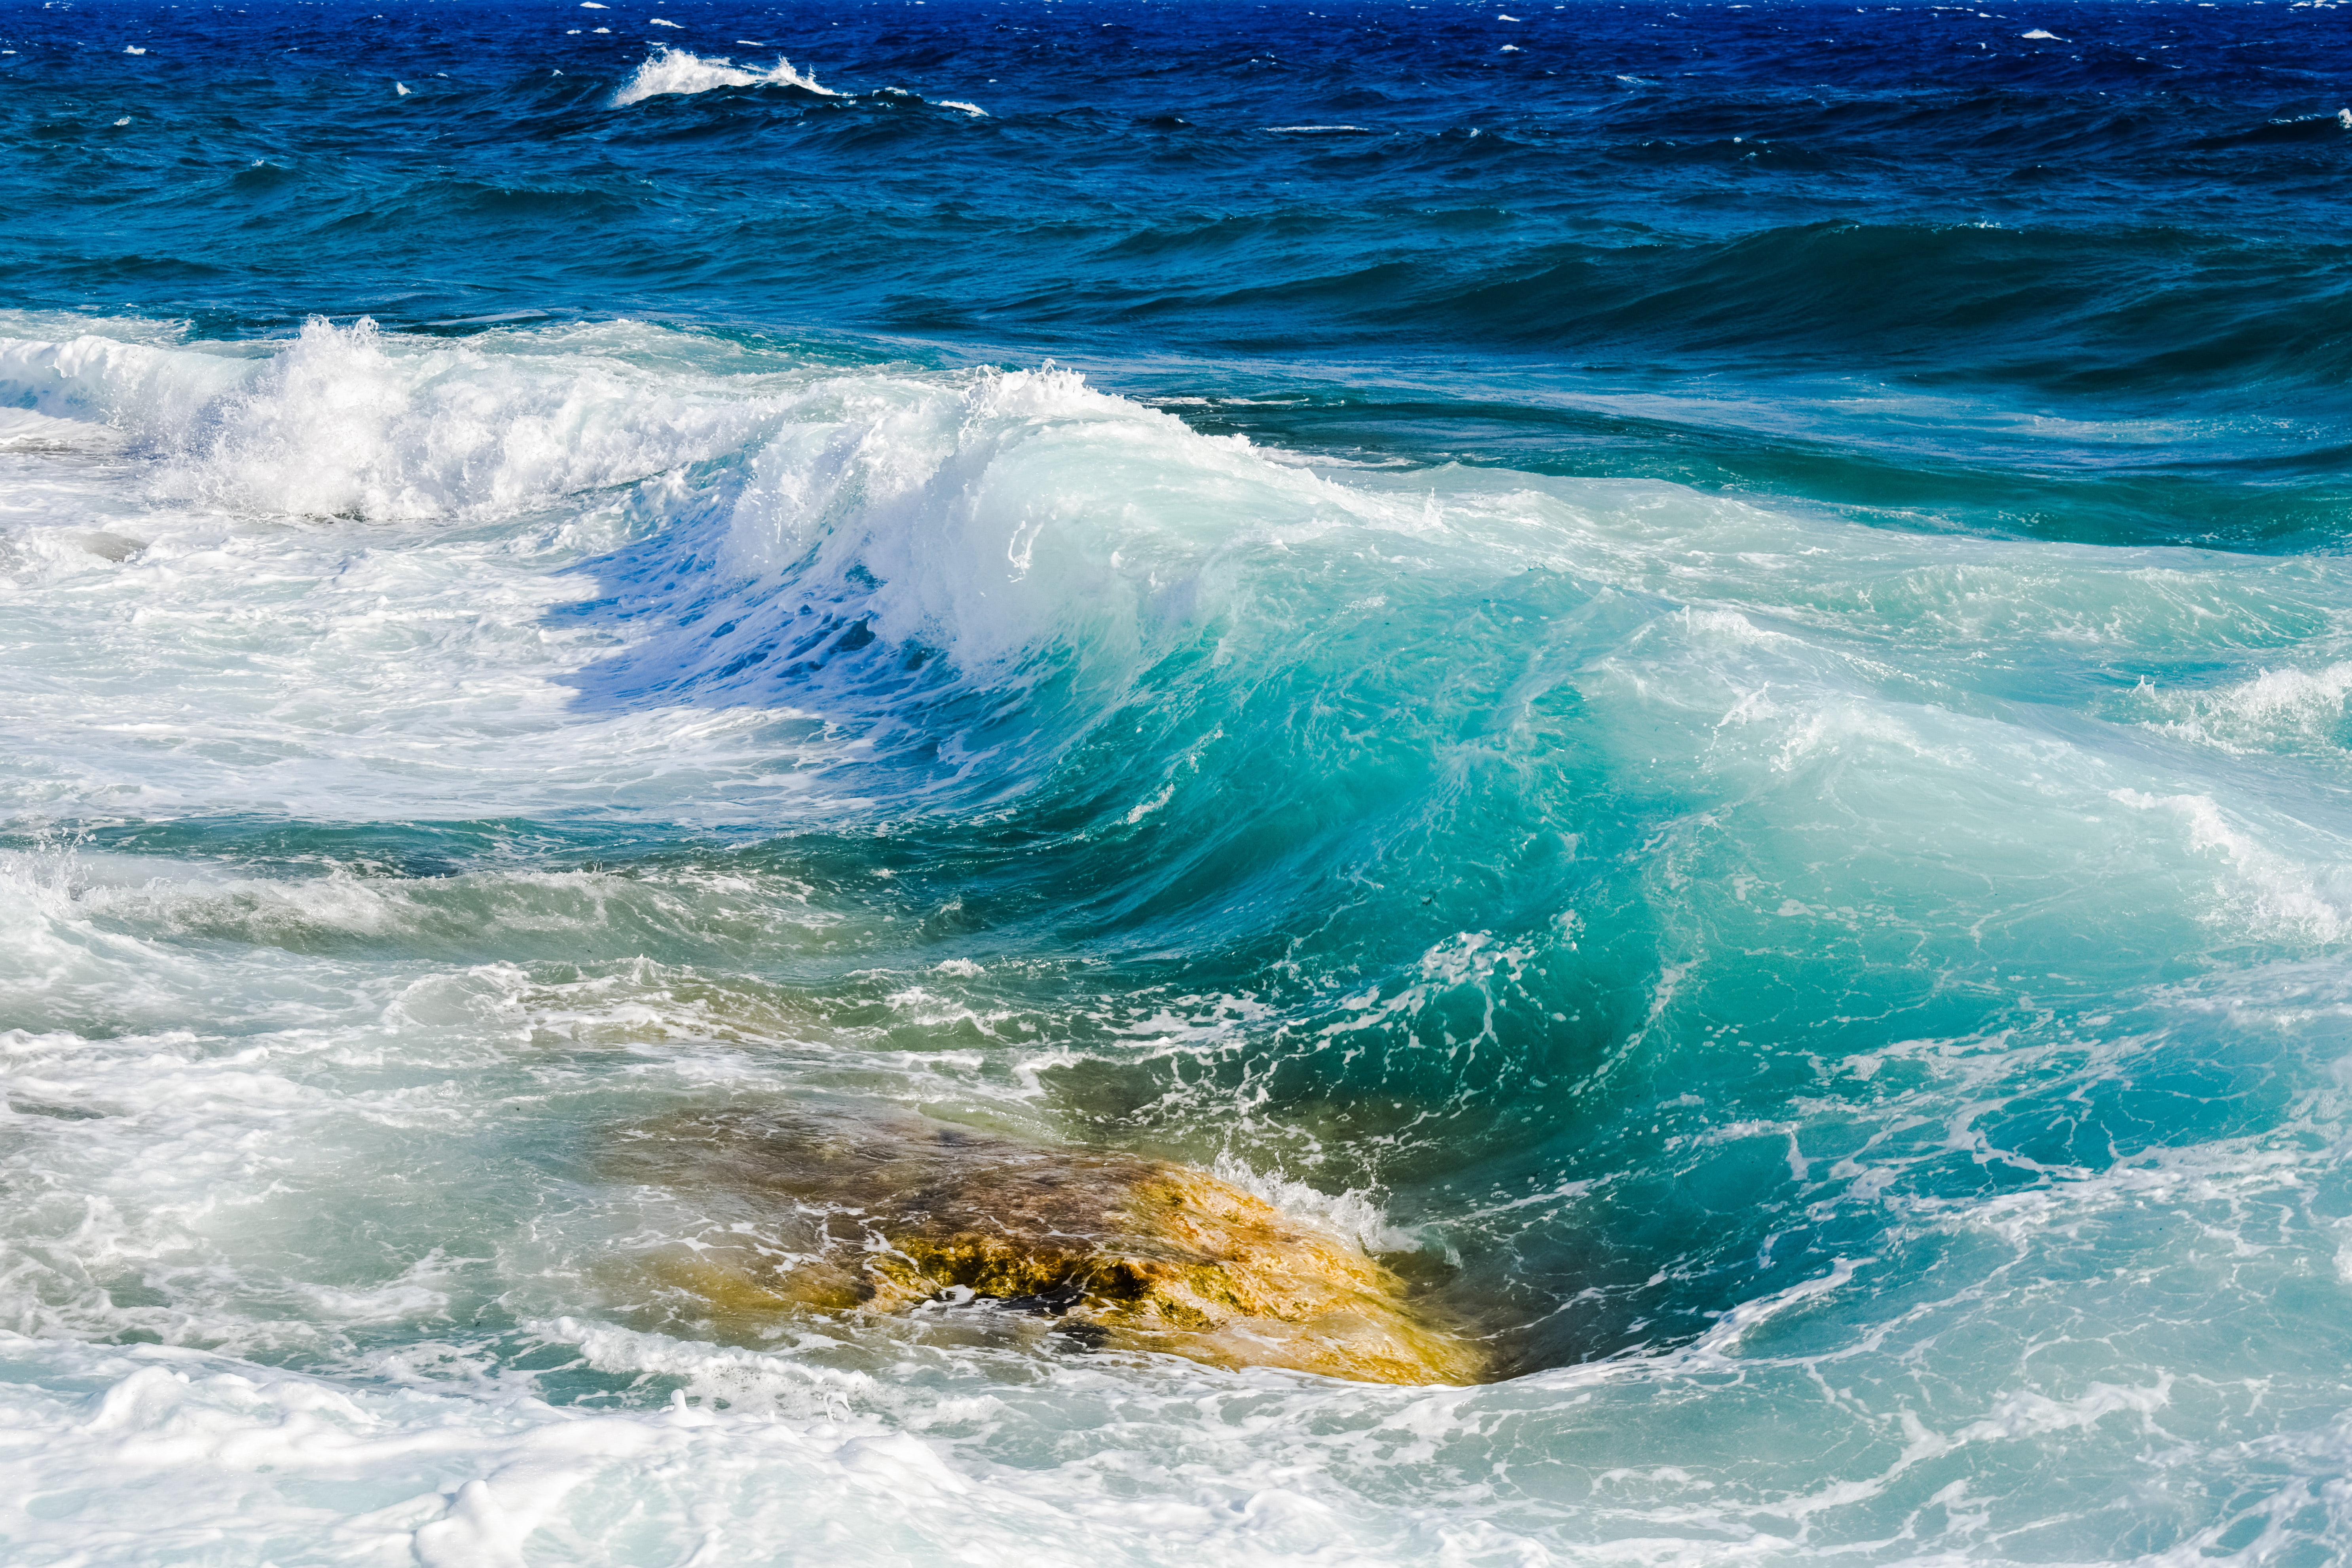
[1687, 667]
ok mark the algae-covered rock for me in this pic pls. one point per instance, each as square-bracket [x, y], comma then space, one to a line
[897, 1213]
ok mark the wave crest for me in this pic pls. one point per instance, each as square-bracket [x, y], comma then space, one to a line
[669, 70]
[343, 422]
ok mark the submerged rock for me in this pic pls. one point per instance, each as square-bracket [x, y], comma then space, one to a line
[114, 547]
[897, 1213]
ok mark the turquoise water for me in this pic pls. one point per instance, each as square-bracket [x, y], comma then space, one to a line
[1740, 753]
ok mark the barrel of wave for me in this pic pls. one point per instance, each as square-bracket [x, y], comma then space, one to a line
[849, 1211]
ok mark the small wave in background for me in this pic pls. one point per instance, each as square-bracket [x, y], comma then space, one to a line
[684, 71]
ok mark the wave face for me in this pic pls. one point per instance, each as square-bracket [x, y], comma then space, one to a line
[1693, 676]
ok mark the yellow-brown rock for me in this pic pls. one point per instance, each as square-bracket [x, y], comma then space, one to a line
[897, 1213]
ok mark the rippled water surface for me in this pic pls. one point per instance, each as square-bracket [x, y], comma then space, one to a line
[1688, 667]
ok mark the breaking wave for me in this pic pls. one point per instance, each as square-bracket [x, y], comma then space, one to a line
[675, 70]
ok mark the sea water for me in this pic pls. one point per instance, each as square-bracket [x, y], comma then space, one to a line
[1688, 664]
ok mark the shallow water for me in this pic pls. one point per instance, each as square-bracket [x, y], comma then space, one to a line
[1694, 673]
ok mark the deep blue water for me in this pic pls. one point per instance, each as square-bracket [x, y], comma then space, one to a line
[1501, 258]
[1687, 666]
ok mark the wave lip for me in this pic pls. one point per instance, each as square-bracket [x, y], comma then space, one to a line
[670, 71]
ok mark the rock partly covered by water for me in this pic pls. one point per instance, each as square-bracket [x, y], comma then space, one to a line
[897, 1213]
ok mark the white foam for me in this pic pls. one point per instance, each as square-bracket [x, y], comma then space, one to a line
[2275, 709]
[1356, 1215]
[2299, 895]
[991, 514]
[675, 70]
[229, 1453]
[344, 422]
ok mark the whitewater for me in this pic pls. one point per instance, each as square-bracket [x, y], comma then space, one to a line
[1797, 883]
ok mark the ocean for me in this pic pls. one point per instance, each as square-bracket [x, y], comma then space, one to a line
[1685, 669]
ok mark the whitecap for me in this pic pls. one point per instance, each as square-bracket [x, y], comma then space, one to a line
[675, 70]
[967, 108]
